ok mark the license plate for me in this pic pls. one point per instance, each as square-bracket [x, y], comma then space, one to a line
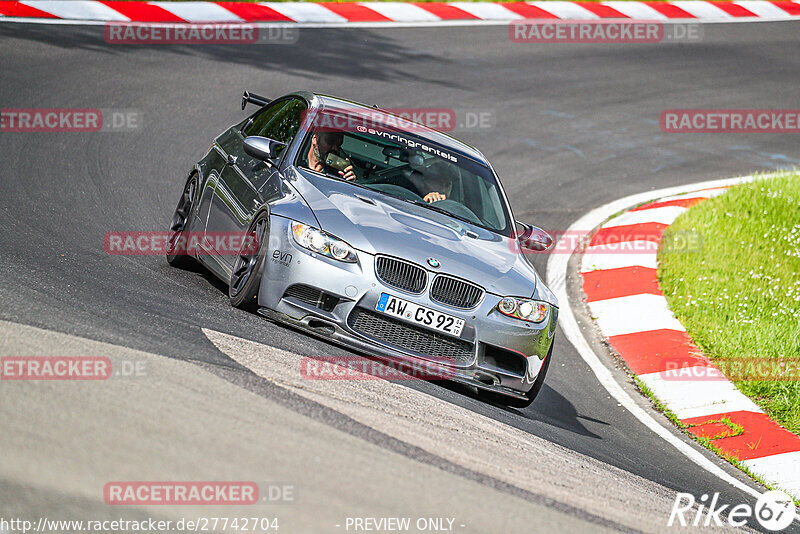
[414, 313]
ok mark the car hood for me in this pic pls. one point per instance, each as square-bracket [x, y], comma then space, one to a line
[380, 224]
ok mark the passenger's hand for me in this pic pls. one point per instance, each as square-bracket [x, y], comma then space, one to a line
[433, 197]
[348, 174]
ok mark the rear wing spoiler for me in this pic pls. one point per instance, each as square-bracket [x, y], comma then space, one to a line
[252, 98]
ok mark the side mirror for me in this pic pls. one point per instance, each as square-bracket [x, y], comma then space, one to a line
[262, 148]
[534, 238]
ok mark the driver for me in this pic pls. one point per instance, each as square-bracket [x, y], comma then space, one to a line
[435, 184]
[323, 143]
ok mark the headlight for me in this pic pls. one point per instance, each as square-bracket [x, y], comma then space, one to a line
[533, 311]
[318, 241]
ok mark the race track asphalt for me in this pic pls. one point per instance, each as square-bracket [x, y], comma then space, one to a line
[572, 126]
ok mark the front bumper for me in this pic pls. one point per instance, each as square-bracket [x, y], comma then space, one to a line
[494, 352]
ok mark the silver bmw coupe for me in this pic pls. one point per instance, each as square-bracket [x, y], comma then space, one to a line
[377, 233]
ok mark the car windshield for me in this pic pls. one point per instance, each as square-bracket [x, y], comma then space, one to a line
[410, 168]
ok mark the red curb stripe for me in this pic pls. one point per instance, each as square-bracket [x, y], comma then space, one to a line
[629, 232]
[732, 9]
[623, 282]
[761, 436]
[15, 9]
[683, 202]
[142, 12]
[254, 12]
[354, 12]
[603, 11]
[445, 11]
[789, 7]
[650, 352]
[670, 11]
[528, 11]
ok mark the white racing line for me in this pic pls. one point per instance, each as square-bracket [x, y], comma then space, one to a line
[557, 272]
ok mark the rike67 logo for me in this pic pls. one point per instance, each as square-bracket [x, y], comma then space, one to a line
[774, 511]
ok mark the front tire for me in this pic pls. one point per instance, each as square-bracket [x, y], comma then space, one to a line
[249, 265]
[180, 224]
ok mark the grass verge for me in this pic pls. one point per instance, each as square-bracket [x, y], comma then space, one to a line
[738, 292]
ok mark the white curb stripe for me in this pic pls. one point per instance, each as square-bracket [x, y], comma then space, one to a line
[77, 9]
[565, 10]
[608, 256]
[763, 9]
[697, 398]
[304, 11]
[635, 10]
[400, 11]
[662, 215]
[313, 14]
[696, 194]
[486, 10]
[782, 470]
[701, 10]
[198, 11]
[636, 313]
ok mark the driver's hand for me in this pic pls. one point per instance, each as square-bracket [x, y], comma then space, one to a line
[433, 197]
[318, 167]
[348, 174]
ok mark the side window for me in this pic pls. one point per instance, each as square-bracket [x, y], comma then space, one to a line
[263, 118]
[279, 122]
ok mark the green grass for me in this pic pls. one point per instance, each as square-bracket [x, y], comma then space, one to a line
[738, 294]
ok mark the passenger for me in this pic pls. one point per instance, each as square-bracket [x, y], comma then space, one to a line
[323, 143]
[435, 184]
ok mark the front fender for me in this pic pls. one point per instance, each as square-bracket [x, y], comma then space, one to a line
[290, 204]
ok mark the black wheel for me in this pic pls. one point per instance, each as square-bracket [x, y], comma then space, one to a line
[499, 398]
[180, 224]
[249, 264]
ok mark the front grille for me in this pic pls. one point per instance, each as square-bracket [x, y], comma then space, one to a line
[401, 274]
[410, 338]
[455, 292]
[313, 296]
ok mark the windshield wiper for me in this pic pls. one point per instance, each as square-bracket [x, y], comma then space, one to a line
[440, 210]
